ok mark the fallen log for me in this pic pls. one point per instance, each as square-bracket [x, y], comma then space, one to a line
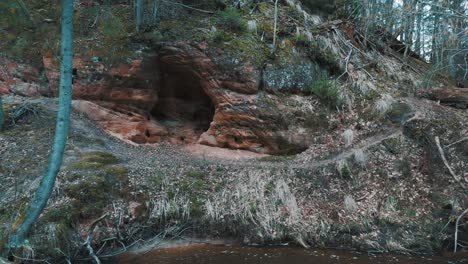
[456, 97]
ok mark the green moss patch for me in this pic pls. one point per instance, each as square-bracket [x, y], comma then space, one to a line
[96, 179]
[246, 48]
[399, 113]
[94, 161]
[392, 145]
[90, 195]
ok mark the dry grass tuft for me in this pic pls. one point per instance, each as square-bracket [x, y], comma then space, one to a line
[360, 157]
[348, 136]
[383, 104]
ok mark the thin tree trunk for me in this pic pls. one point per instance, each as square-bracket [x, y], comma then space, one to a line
[46, 186]
[155, 11]
[2, 116]
[458, 43]
[409, 26]
[417, 45]
[274, 27]
[389, 15]
[139, 14]
[435, 35]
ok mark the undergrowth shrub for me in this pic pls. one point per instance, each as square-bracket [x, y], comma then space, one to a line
[302, 40]
[328, 92]
[113, 28]
[343, 169]
[231, 19]
[219, 36]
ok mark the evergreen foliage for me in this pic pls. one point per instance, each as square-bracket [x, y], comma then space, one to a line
[231, 19]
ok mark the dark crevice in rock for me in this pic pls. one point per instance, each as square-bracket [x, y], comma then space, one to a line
[183, 107]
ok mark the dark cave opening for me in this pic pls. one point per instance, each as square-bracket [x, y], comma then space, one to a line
[183, 107]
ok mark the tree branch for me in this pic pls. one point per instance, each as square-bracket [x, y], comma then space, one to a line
[90, 237]
[456, 229]
[444, 160]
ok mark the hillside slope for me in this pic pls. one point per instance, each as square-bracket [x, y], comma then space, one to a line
[194, 128]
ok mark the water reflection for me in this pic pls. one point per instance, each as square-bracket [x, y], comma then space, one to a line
[206, 254]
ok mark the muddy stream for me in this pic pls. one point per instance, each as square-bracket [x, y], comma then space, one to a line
[209, 254]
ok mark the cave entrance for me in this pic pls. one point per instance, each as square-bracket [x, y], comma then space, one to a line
[183, 107]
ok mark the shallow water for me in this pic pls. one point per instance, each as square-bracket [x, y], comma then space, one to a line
[208, 254]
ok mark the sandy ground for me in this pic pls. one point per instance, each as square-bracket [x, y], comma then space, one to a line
[203, 151]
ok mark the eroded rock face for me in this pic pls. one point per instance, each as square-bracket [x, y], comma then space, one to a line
[243, 119]
[130, 124]
[296, 76]
[20, 79]
[181, 95]
[126, 84]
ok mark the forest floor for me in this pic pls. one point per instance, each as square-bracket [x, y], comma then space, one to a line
[387, 191]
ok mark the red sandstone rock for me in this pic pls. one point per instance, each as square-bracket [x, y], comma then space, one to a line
[20, 79]
[94, 81]
[180, 95]
[130, 125]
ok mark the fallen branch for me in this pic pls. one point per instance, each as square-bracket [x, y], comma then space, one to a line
[457, 97]
[346, 64]
[23, 110]
[90, 237]
[456, 142]
[189, 7]
[444, 160]
[456, 229]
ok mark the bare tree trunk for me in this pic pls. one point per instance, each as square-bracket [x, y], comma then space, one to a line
[46, 186]
[2, 116]
[139, 14]
[274, 27]
[155, 10]
[389, 15]
[459, 41]
[408, 22]
[419, 14]
[435, 34]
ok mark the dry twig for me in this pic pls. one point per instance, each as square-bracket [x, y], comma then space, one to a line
[456, 229]
[90, 237]
[444, 160]
[456, 142]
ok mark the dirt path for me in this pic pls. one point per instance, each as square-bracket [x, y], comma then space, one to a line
[294, 163]
[151, 157]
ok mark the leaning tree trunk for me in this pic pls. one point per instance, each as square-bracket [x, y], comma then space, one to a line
[46, 186]
[2, 116]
